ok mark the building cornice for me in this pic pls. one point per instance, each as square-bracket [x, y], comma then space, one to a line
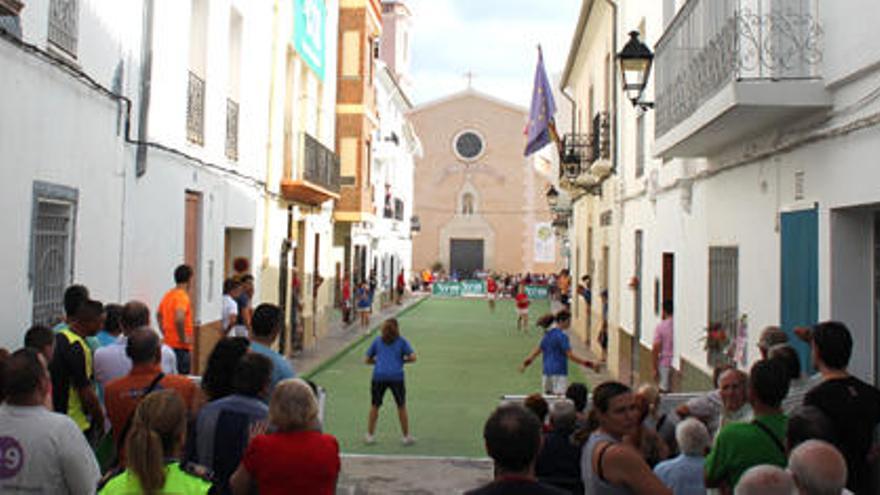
[574, 49]
[469, 92]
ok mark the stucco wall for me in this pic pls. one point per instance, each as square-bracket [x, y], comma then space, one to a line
[498, 178]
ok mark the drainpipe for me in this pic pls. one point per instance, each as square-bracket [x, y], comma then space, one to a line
[146, 80]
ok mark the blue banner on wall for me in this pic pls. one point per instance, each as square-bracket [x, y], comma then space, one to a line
[310, 18]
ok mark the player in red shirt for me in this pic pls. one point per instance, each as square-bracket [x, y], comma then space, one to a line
[522, 309]
[491, 292]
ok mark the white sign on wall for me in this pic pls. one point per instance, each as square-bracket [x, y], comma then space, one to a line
[545, 243]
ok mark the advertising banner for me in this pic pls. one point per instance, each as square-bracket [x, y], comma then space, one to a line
[473, 288]
[310, 17]
[545, 243]
[446, 289]
[537, 291]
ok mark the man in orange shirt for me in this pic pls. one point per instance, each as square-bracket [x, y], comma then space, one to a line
[175, 318]
[123, 395]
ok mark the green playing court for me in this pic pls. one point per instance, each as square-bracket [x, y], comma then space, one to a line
[467, 359]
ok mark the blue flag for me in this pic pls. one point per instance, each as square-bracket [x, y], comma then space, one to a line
[541, 126]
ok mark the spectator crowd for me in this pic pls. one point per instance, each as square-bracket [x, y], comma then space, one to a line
[103, 402]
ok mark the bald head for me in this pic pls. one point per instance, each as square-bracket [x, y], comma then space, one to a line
[818, 468]
[143, 346]
[135, 314]
[765, 480]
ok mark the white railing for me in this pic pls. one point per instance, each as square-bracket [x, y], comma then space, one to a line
[710, 43]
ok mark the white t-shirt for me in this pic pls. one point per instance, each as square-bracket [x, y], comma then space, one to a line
[111, 362]
[230, 312]
[44, 452]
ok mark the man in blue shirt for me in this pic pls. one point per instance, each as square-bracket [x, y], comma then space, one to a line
[388, 353]
[223, 426]
[684, 474]
[266, 324]
[556, 349]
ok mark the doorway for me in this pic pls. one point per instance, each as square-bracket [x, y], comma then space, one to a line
[668, 290]
[192, 239]
[466, 257]
[799, 258]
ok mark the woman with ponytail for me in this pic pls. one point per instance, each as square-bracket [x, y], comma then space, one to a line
[152, 447]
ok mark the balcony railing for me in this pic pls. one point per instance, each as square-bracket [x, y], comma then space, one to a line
[580, 151]
[195, 110]
[713, 42]
[231, 129]
[320, 164]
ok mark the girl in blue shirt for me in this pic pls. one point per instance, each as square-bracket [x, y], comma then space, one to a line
[388, 353]
[556, 349]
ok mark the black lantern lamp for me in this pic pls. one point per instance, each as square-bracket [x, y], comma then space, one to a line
[552, 197]
[635, 67]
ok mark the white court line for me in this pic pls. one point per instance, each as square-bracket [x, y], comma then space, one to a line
[415, 457]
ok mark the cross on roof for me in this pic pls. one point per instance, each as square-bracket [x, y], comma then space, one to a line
[470, 78]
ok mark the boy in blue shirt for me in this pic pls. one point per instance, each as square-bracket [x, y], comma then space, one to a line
[388, 353]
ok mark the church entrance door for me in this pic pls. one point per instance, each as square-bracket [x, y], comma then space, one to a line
[465, 257]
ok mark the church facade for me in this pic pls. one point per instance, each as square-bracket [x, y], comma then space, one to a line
[481, 204]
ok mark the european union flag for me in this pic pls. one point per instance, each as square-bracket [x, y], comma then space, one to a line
[541, 125]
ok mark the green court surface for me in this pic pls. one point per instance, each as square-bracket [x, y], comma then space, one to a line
[467, 359]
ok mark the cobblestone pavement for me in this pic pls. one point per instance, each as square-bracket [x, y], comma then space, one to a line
[397, 475]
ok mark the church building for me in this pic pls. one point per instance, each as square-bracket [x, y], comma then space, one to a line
[481, 203]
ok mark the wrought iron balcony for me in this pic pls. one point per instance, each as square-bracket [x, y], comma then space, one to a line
[319, 180]
[582, 152]
[728, 68]
[195, 110]
[232, 129]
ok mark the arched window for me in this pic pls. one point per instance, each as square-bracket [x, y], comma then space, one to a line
[467, 204]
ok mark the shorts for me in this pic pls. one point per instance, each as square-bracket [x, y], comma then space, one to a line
[522, 311]
[665, 372]
[363, 309]
[491, 296]
[398, 390]
[554, 384]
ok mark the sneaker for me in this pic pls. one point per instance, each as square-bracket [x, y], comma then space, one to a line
[369, 439]
[408, 440]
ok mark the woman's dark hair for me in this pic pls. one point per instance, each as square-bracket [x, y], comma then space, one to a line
[538, 405]
[217, 380]
[563, 315]
[546, 321]
[578, 393]
[606, 391]
[390, 330]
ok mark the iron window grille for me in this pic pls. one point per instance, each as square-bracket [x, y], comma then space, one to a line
[64, 25]
[232, 129]
[195, 110]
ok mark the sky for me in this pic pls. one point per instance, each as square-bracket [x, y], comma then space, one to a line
[495, 39]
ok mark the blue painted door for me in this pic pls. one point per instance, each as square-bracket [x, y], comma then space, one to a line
[800, 276]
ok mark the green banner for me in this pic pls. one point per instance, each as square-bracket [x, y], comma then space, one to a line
[446, 289]
[473, 288]
[537, 291]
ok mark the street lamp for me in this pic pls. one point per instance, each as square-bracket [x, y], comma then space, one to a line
[635, 66]
[552, 197]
